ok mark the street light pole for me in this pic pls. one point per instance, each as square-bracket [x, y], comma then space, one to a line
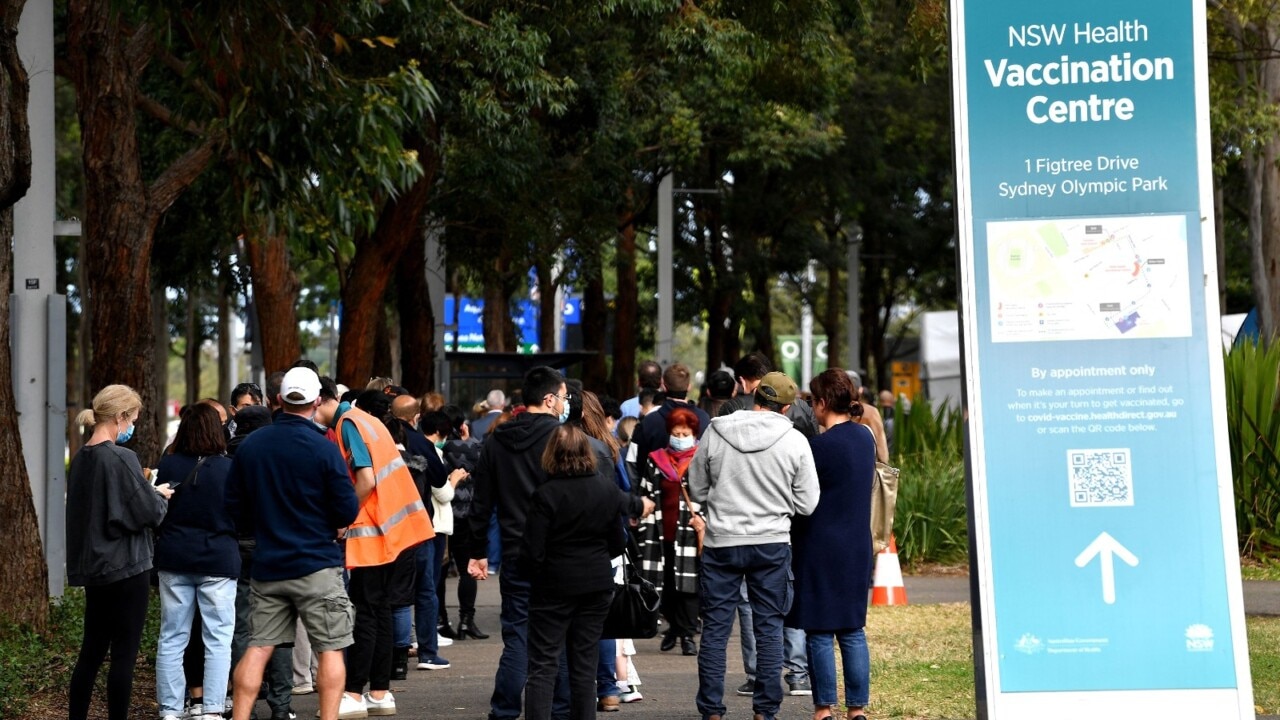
[666, 292]
[853, 300]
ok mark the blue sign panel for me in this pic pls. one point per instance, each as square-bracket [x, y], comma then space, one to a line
[471, 322]
[1106, 538]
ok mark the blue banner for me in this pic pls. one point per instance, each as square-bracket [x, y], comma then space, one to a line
[1089, 347]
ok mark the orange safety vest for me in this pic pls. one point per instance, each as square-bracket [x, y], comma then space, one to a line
[393, 518]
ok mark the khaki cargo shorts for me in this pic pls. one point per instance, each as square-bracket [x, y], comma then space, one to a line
[319, 600]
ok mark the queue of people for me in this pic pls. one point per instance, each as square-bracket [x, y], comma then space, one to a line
[302, 536]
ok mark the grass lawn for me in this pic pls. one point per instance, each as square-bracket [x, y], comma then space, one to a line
[922, 662]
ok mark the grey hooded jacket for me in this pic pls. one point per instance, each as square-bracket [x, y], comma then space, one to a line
[753, 471]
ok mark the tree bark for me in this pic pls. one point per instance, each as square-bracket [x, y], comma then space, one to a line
[760, 282]
[499, 329]
[159, 410]
[383, 365]
[26, 600]
[546, 306]
[417, 319]
[275, 295]
[622, 382]
[121, 210]
[224, 331]
[368, 275]
[595, 324]
[831, 313]
[191, 356]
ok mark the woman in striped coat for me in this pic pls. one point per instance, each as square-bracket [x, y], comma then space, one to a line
[669, 538]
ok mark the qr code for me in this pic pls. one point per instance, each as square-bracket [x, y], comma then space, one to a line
[1100, 478]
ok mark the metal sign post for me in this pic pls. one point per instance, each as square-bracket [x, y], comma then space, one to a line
[1104, 530]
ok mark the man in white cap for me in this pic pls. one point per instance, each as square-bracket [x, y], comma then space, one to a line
[289, 487]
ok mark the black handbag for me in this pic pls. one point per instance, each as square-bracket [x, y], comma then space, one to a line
[634, 612]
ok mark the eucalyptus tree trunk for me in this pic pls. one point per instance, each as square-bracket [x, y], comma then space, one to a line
[595, 325]
[191, 355]
[626, 331]
[275, 296]
[417, 320]
[105, 59]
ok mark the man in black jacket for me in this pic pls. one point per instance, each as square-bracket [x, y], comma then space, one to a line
[509, 470]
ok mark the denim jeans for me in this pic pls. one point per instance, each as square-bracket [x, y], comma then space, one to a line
[607, 669]
[857, 667]
[181, 594]
[767, 571]
[794, 655]
[426, 607]
[402, 626]
[513, 667]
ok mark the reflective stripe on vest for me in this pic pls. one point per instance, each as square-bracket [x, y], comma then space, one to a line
[384, 528]
[393, 517]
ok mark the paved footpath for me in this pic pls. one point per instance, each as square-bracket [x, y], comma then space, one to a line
[669, 679]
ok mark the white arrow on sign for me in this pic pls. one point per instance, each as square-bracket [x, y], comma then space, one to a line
[1107, 548]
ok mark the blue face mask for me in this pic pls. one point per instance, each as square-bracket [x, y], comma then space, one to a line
[680, 443]
[440, 444]
[564, 414]
[125, 436]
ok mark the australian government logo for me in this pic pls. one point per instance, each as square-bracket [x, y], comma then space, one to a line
[1199, 638]
[1028, 644]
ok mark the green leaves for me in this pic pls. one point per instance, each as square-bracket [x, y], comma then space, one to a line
[1253, 426]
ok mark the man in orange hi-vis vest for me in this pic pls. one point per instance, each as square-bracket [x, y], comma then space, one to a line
[392, 520]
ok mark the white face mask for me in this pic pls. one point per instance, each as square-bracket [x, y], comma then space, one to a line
[681, 443]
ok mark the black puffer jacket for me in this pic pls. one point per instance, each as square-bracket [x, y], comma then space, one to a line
[463, 454]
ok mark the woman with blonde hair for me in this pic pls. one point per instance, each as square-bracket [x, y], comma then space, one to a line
[111, 513]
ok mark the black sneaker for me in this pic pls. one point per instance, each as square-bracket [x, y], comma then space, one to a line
[799, 686]
[747, 688]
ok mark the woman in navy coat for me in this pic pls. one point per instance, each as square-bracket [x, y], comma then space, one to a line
[832, 551]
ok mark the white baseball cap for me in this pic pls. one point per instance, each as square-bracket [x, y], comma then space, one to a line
[300, 386]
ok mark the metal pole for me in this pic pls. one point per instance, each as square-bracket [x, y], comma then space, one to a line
[436, 282]
[34, 262]
[666, 293]
[806, 330]
[852, 300]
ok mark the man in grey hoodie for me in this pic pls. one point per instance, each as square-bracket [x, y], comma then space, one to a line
[753, 471]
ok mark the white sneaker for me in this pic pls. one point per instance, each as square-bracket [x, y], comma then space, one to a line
[385, 706]
[170, 717]
[195, 710]
[630, 696]
[443, 641]
[350, 709]
[304, 689]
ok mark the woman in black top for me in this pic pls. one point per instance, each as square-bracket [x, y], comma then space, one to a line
[572, 532]
[111, 512]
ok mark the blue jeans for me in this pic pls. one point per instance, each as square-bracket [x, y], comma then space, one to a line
[794, 658]
[495, 543]
[427, 607]
[607, 670]
[402, 627]
[180, 595]
[513, 667]
[767, 571]
[857, 667]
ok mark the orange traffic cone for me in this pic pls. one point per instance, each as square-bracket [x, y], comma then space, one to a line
[888, 588]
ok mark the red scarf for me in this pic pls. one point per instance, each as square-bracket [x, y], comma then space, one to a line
[673, 463]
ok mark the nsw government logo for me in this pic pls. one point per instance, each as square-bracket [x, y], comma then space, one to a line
[1028, 644]
[1199, 638]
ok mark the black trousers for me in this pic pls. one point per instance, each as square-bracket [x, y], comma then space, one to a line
[114, 615]
[460, 544]
[573, 623]
[679, 608]
[369, 657]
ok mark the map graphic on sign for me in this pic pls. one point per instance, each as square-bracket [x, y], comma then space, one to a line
[1089, 278]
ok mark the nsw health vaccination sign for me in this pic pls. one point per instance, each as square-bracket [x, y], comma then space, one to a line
[1103, 520]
